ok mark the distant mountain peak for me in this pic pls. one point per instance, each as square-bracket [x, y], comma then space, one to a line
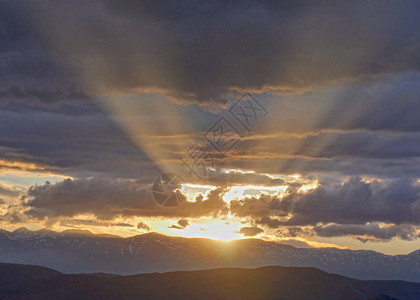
[22, 230]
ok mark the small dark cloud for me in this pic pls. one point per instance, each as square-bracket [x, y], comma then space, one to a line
[367, 240]
[184, 223]
[270, 222]
[181, 224]
[250, 231]
[15, 214]
[143, 226]
[293, 231]
[261, 206]
[47, 96]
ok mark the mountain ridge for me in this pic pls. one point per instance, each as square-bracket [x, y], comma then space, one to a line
[154, 252]
[153, 233]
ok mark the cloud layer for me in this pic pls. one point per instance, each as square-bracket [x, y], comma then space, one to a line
[374, 210]
[198, 51]
[108, 198]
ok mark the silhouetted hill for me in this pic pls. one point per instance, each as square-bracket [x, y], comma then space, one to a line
[382, 297]
[83, 252]
[231, 283]
[15, 276]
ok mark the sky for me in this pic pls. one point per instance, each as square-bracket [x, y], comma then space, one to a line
[99, 98]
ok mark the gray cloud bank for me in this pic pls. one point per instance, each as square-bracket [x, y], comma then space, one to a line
[197, 51]
[108, 198]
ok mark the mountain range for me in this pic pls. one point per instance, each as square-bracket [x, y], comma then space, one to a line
[77, 251]
[266, 283]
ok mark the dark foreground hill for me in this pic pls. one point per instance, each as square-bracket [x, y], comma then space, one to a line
[232, 283]
[84, 252]
[15, 276]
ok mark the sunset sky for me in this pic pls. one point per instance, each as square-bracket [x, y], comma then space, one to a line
[99, 98]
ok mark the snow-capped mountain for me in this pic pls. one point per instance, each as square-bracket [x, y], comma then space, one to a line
[77, 251]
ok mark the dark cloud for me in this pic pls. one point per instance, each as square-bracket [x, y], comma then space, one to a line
[250, 231]
[362, 144]
[198, 51]
[181, 224]
[343, 144]
[270, 222]
[366, 153]
[79, 145]
[341, 166]
[29, 71]
[369, 232]
[353, 202]
[373, 230]
[14, 215]
[39, 94]
[367, 240]
[355, 129]
[261, 206]
[108, 198]
[143, 226]
[105, 198]
[358, 202]
[293, 231]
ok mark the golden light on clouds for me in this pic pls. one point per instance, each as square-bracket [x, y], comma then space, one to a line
[239, 192]
[20, 166]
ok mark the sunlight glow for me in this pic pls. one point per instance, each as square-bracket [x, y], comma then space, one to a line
[238, 192]
[153, 122]
[216, 230]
